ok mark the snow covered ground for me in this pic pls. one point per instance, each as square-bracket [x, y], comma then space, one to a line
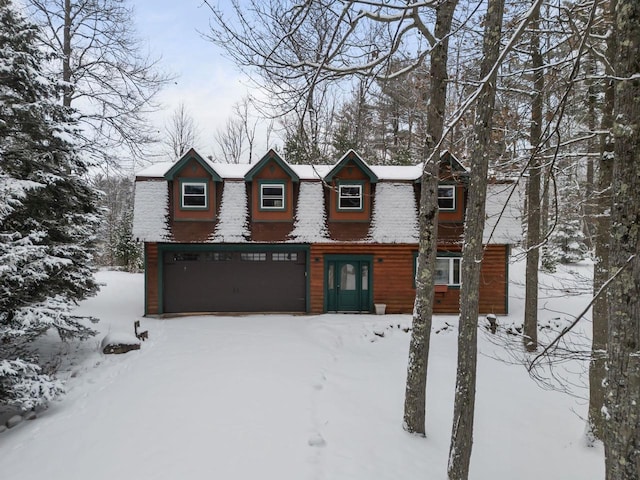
[295, 397]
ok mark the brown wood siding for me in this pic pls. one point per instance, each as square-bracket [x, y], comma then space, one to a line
[151, 278]
[348, 232]
[494, 280]
[272, 171]
[193, 170]
[456, 215]
[270, 231]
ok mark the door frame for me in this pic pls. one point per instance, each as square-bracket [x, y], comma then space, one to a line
[342, 258]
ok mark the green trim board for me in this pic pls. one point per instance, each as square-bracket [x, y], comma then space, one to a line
[189, 247]
[351, 156]
[270, 156]
[186, 158]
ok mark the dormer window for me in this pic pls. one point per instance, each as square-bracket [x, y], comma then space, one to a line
[447, 197]
[350, 196]
[272, 196]
[194, 195]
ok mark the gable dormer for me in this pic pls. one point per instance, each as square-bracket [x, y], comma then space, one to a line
[350, 182]
[193, 188]
[272, 191]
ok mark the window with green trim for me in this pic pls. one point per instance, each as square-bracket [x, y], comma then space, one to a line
[447, 271]
[447, 197]
[350, 196]
[194, 195]
[272, 196]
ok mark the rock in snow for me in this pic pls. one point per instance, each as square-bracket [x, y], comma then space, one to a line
[119, 343]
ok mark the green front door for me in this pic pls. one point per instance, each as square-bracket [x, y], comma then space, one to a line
[348, 284]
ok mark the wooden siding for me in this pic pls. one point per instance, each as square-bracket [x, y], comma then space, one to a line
[456, 215]
[151, 273]
[270, 231]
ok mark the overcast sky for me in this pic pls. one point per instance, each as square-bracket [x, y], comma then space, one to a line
[206, 82]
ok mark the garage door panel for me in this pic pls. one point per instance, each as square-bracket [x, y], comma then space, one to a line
[234, 282]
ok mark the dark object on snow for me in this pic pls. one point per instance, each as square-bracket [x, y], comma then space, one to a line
[142, 335]
[119, 343]
[493, 323]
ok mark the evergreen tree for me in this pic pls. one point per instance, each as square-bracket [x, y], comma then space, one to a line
[47, 216]
[126, 250]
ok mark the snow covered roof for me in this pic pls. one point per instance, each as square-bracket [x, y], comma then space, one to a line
[503, 223]
[150, 211]
[310, 224]
[395, 214]
[305, 172]
[394, 217]
[232, 226]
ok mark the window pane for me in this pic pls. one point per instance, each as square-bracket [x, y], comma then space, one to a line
[441, 276]
[446, 197]
[350, 196]
[194, 201]
[284, 257]
[350, 191]
[348, 277]
[194, 194]
[331, 276]
[272, 203]
[272, 196]
[456, 271]
[194, 189]
[350, 202]
[365, 276]
[253, 257]
[272, 190]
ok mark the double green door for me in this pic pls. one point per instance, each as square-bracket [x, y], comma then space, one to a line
[348, 284]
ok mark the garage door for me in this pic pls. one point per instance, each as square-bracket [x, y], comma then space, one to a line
[222, 281]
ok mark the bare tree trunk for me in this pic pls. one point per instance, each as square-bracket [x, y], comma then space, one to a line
[415, 394]
[530, 328]
[600, 310]
[622, 435]
[464, 402]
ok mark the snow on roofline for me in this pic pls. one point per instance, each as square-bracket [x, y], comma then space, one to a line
[231, 171]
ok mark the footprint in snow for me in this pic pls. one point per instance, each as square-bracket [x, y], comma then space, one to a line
[317, 441]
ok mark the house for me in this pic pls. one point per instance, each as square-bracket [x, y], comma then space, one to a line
[275, 237]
